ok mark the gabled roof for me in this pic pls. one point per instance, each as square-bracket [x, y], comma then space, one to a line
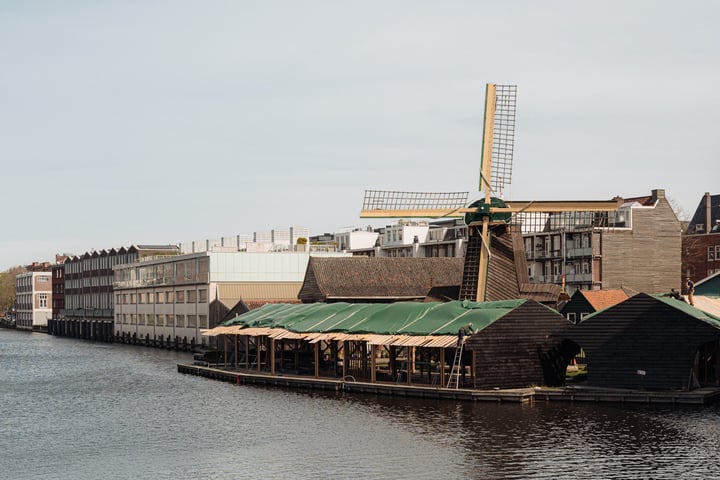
[601, 299]
[681, 305]
[400, 318]
[700, 215]
[362, 277]
[709, 286]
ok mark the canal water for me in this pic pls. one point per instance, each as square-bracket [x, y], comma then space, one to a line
[71, 409]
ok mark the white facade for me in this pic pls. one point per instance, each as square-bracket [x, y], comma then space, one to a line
[354, 239]
[33, 297]
[174, 296]
[272, 241]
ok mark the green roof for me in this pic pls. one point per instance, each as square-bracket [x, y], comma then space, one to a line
[399, 318]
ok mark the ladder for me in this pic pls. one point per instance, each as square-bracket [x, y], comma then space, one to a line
[454, 380]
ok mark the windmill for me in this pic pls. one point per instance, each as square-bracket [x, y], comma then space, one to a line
[491, 215]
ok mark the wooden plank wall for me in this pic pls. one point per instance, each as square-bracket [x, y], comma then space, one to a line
[508, 353]
[646, 258]
[641, 334]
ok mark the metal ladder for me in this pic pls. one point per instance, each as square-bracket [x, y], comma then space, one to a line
[454, 380]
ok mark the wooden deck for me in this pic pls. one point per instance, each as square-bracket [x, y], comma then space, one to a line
[701, 396]
[348, 384]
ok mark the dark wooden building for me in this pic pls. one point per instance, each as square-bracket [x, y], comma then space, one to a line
[522, 349]
[380, 279]
[650, 342]
[585, 302]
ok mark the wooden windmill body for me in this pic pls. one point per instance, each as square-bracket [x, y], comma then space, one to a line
[492, 237]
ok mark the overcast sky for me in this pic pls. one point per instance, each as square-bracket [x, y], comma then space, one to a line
[156, 122]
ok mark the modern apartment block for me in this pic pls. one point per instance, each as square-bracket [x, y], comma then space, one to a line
[89, 304]
[176, 297]
[636, 248]
[701, 242]
[33, 297]
[407, 238]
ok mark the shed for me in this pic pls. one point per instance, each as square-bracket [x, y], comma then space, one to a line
[522, 348]
[378, 279]
[584, 302]
[650, 342]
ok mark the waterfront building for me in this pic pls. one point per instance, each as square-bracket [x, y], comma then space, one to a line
[58, 285]
[33, 297]
[510, 344]
[701, 242]
[176, 297]
[636, 248]
[650, 342]
[276, 240]
[88, 311]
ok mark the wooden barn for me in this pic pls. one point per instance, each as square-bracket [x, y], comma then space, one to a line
[380, 279]
[650, 342]
[402, 342]
[584, 302]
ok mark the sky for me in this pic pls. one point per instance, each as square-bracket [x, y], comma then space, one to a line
[161, 122]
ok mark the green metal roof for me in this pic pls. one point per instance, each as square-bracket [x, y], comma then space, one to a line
[400, 318]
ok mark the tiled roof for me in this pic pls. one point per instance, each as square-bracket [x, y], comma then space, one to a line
[378, 277]
[600, 299]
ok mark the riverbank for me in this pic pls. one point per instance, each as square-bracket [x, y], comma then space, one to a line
[701, 396]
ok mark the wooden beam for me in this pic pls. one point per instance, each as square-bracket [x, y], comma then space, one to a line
[272, 356]
[416, 213]
[317, 359]
[553, 206]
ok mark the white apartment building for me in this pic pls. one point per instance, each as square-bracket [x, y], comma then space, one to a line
[409, 238]
[33, 299]
[176, 297]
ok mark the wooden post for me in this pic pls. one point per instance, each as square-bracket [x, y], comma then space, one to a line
[236, 352]
[317, 359]
[258, 350]
[345, 358]
[272, 356]
[442, 366]
[372, 364]
[225, 350]
[247, 352]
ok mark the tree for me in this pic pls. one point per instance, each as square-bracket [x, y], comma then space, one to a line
[7, 287]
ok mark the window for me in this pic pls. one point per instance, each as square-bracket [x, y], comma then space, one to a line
[711, 253]
[192, 321]
[160, 297]
[571, 317]
[170, 297]
[202, 296]
[43, 300]
[43, 278]
[180, 320]
[180, 297]
[169, 320]
[203, 321]
[118, 299]
[142, 319]
[143, 298]
[151, 319]
[133, 318]
[160, 319]
[191, 296]
[133, 298]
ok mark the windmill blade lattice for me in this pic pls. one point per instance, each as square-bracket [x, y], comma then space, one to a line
[503, 138]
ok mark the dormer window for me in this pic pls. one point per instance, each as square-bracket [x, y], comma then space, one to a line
[700, 228]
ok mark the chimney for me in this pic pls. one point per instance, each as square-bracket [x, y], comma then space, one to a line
[658, 194]
[708, 213]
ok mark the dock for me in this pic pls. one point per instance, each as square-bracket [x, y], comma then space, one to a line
[700, 396]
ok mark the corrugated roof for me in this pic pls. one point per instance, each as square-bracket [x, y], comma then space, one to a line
[233, 292]
[429, 319]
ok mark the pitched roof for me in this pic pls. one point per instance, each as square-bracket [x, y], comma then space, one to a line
[362, 277]
[399, 318]
[601, 299]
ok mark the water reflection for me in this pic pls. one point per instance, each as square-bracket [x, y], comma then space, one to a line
[73, 409]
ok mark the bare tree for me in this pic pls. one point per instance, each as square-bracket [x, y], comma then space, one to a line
[7, 287]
